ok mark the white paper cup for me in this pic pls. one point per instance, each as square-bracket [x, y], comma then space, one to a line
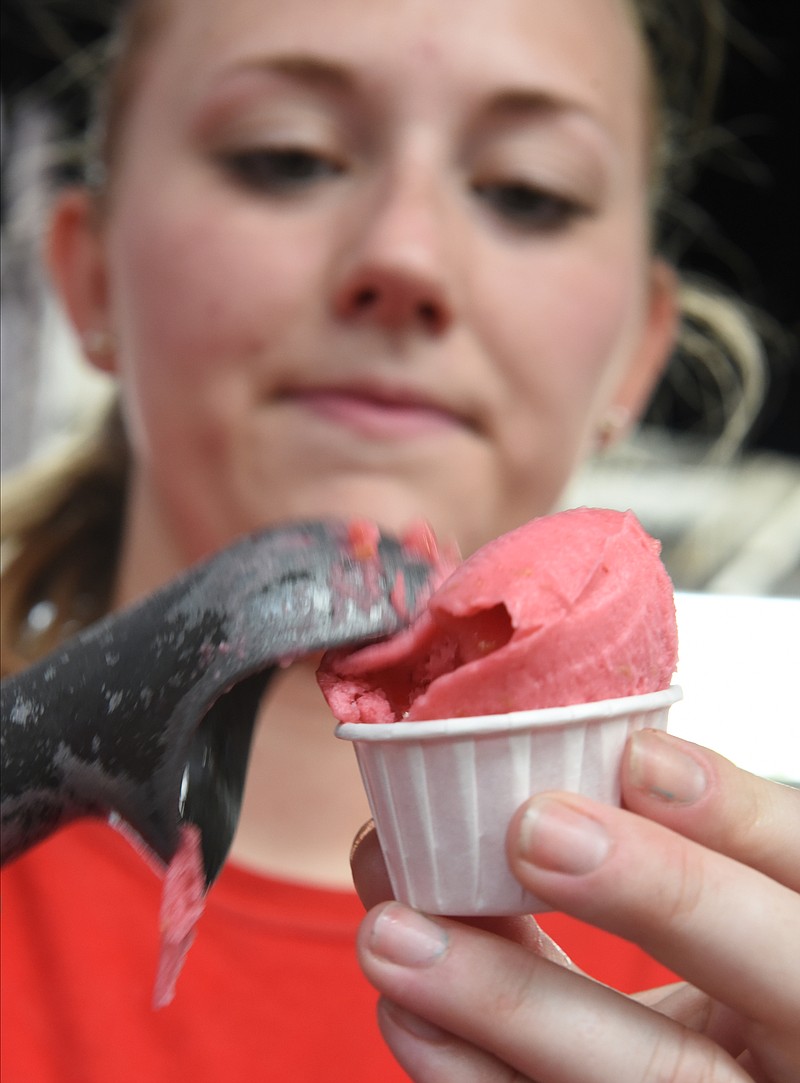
[442, 793]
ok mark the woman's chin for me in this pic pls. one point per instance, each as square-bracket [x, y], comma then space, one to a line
[394, 506]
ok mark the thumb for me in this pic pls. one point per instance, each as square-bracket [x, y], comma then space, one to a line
[369, 868]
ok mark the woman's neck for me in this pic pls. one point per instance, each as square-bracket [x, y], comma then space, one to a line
[149, 556]
[303, 800]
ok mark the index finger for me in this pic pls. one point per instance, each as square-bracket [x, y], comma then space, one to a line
[727, 928]
[705, 797]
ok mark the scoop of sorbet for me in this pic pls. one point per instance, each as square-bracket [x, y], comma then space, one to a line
[570, 608]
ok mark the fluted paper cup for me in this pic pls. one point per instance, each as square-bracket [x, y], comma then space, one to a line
[442, 793]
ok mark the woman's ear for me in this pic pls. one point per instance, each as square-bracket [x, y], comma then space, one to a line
[656, 341]
[76, 260]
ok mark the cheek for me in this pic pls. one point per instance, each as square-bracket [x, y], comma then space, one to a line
[581, 319]
[189, 296]
[560, 336]
[200, 305]
[564, 336]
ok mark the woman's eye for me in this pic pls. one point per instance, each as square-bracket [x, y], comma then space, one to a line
[279, 170]
[527, 207]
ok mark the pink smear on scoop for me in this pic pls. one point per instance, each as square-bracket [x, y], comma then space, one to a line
[182, 902]
[363, 535]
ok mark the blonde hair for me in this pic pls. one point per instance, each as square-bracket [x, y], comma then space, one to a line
[61, 527]
[62, 522]
[719, 367]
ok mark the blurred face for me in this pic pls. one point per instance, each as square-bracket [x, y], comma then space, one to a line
[375, 257]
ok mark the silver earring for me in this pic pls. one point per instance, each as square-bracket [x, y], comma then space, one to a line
[613, 424]
[98, 342]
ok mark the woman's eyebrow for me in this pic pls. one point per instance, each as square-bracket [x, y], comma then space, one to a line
[226, 86]
[540, 104]
[502, 104]
[308, 69]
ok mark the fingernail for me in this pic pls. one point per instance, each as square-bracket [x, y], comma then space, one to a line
[659, 767]
[403, 936]
[558, 837]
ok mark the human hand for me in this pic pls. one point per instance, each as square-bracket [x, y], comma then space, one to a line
[701, 868]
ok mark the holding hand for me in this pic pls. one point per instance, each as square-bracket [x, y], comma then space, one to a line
[702, 869]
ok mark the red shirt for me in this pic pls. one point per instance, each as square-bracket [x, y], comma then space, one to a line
[271, 989]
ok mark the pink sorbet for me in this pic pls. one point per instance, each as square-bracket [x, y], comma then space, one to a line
[570, 608]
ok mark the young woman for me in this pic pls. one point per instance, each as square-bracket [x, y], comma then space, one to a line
[390, 259]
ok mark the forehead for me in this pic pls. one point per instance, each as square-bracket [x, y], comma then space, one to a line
[586, 51]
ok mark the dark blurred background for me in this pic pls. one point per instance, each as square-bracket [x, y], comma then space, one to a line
[751, 191]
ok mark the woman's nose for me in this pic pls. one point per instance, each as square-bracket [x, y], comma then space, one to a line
[397, 270]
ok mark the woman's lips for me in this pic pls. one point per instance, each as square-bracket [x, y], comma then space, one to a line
[377, 417]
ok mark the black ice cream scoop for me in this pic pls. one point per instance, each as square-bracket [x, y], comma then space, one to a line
[147, 716]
